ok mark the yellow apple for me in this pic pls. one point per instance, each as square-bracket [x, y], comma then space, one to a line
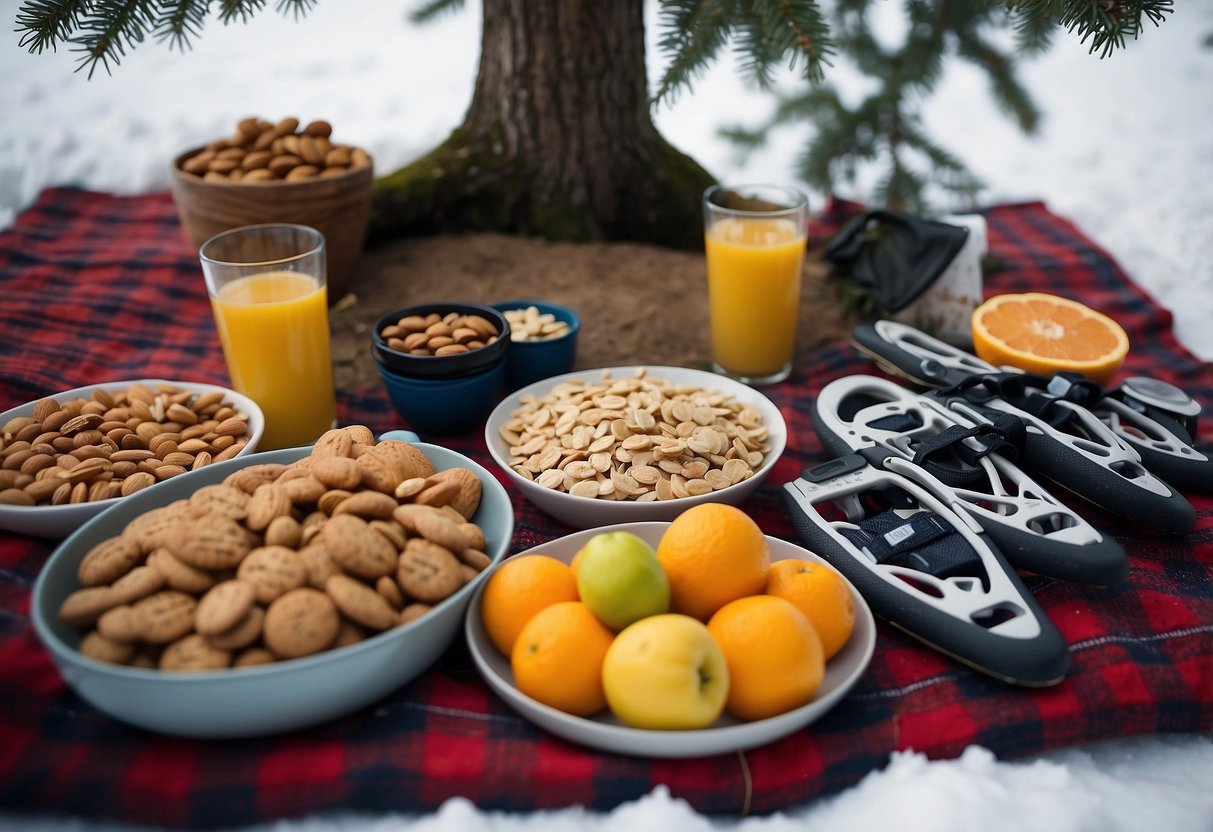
[666, 672]
[620, 579]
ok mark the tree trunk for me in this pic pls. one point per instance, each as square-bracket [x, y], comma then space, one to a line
[558, 141]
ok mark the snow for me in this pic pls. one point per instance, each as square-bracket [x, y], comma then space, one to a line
[1125, 151]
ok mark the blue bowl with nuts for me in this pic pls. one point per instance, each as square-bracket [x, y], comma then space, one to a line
[543, 340]
[440, 340]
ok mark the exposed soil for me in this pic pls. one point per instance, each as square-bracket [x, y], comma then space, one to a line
[638, 303]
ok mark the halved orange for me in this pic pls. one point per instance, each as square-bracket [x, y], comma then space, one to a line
[1043, 333]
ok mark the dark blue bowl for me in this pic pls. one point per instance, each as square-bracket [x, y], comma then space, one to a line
[444, 406]
[531, 361]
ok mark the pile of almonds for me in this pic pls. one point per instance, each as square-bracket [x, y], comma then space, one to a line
[281, 561]
[114, 443]
[436, 334]
[264, 151]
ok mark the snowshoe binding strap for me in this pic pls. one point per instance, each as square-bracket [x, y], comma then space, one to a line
[926, 569]
[1143, 456]
[969, 465]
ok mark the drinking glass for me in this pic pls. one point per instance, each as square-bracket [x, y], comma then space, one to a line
[269, 294]
[755, 237]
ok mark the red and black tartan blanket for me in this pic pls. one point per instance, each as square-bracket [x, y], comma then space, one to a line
[100, 288]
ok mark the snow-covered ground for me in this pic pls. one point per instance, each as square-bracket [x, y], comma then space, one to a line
[1126, 151]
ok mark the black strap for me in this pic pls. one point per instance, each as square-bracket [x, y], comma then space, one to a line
[923, 542]
[1030, 392]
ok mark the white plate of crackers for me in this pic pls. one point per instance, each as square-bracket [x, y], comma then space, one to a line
[272, 592]
[629, 444]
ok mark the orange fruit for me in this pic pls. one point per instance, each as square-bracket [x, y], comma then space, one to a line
[557, 658]
[821, 594]
[773, 653]
[713, 554]
[519, 588]
[1042, 333]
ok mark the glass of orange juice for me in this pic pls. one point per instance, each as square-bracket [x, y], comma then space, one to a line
[269, 294]
[755, 238]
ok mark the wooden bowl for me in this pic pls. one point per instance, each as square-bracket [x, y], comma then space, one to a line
[339, 207]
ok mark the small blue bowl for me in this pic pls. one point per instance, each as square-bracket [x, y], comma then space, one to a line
[444, 406]
[530, 361]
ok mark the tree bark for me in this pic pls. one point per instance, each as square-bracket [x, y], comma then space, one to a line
[558, 141]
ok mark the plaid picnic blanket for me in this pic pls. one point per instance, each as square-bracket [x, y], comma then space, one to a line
[100, 288]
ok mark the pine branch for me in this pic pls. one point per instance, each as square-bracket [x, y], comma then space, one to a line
[48, 22]
[695, 33]
[433, 9]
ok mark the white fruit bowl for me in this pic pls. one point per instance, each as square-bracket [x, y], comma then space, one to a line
[588, 512]
[57, 522]
[727, 735]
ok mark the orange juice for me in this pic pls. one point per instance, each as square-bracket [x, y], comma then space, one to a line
[274, 328]
[754, 267]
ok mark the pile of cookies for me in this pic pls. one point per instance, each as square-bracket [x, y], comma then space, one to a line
[281, 561]
[264, 151]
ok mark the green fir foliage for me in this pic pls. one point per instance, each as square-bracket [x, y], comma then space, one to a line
[881, 132]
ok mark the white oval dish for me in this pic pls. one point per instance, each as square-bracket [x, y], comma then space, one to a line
[589, 512]
[607, 733]
[271, 698]
[57, 522]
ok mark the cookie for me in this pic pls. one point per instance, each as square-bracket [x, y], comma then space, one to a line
[378, 473]
[474, 535]
[226, 500]
[390, 590]
[103, 649]
[360, 603]
[211, 543]
[109, 560]
[406, 460]
[192, 654]
[268, 502]
[84, 606]
[369, 505]
[437, 493]
[153, 529]
[350, 633]
[355, 547]
[243, 633]
[140, 582]
[301, 622]
[414, 611]
[248, 479]
[120, 623]
[165, 616]
[393, 531]
[306, 490]
[440, 529]
[335, 442]
[360, 434]
[317, 564]
[337, 472]
[253, 657]
[474, 558]
[467, 498]
[180, 575]
[284, 531]
[427, 572]
[272, 571]
[223, 606]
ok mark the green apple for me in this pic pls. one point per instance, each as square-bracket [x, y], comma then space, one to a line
[620, 579]
[666, 672]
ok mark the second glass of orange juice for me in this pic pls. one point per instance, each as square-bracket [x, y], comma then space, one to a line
[269, 295]
[754, 236]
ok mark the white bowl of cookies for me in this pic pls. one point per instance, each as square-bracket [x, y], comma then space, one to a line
[272, 592]
[66, 458]
[633, 444]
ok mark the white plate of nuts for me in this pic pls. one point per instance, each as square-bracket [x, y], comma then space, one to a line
[65, 458]
[271, 592]
[630, 444]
